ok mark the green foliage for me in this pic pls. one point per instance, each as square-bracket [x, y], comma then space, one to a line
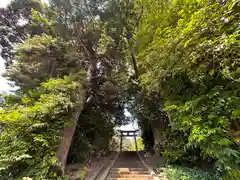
[104, 42]
[148, 109]
[96, 123]
[41, 58]
[10, 99]
[174, 148]
[186, 66]
[31, 132]
[127, 143]
[83, 173]
[63, 39]
[184, 173]
[188, 52]
[140, 145]
[14, 26]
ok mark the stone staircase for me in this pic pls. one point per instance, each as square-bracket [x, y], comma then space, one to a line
[129, 174]
[128, 167]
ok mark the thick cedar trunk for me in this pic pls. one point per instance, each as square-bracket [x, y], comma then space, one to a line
[53, 70]
[68, 132]
[65, 144]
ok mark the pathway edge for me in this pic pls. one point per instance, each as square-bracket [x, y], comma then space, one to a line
[150, 170]
[104, 176]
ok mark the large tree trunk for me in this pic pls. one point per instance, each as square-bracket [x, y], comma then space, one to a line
[158, 128]
[68, 132]
[53, 68]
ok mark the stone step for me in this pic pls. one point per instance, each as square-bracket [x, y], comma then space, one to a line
[129, 172]
[129, 176]
[145, 178]
[128, 169]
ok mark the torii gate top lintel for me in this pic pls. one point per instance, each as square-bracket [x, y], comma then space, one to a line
[128, 133]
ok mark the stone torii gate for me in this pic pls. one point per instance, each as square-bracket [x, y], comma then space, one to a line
[131, 133]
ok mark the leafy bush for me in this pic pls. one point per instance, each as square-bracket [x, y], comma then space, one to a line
[31, 131]
[140, 145]
[184, 173]
[189, 53]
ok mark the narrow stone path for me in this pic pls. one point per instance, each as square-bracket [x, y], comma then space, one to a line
[128, 167]
[128, 159]
[115, 166]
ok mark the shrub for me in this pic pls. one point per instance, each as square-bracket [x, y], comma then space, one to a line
[31, 131]
[184, 173]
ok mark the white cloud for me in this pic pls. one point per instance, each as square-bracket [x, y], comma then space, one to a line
[133, 125]
[45, 1]
[2, 66]
[4, 3]
[4, 86]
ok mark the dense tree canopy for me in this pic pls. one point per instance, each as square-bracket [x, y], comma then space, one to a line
[173, 64]
[188, 52]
